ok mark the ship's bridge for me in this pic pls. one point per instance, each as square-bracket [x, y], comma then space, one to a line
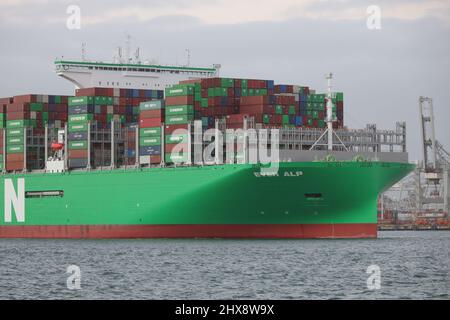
[99, 74]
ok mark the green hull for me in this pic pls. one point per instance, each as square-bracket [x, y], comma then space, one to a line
[309, 193]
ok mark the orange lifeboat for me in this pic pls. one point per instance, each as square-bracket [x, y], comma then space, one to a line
[57, 146]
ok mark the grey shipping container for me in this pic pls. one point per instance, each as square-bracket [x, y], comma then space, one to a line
[78, 163]
[81, 109]
[150, 150]
[77, 136]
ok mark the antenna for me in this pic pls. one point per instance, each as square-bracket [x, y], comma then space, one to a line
[127, 48]
[136, 55]
[188, 57]
[83, 51]
[217, 66]
[119, 49]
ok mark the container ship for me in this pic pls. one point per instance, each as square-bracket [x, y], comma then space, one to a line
[118, 162]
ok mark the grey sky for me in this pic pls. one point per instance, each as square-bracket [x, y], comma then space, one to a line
[382, 72]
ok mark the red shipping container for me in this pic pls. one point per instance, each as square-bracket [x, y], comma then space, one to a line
[137, 101]
[100, 118]
[17, 115]
[179, 146]
[155, 159]
[149, 123]
[94, 91]
[61, 108]
[252, 100]
[6, 100]
[236, 118]
[258, 109]
[78, 153]
[180, 101]
[25, 98]
[170, 129]
[14, 166]
[18, 107]
[149, 114]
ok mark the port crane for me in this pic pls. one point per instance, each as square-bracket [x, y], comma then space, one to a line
[432, 176]
[423, 196]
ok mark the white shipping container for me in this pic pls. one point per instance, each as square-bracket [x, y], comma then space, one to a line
[144, 159]
[45, 98]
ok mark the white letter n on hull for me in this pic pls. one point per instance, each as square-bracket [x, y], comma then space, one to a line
[17, 200]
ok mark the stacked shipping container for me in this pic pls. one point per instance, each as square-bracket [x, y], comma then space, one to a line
[100, 107]
[3, 103]
[81, 115]
[179, 113]
[202, 99]
[30, 111]
[150, 120]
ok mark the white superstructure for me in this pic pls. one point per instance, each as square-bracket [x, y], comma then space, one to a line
[85, 74]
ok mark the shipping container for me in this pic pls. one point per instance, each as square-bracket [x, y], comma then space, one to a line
[78, 145]
[149, 150]
[152, 105]
[149, 141]
[179, 110]
[150, 132]
[179, 119]
[74, 127]
[179, 90]
[176, 138]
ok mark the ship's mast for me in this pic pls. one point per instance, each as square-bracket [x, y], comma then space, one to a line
[127, 49]
[188, 57]
[329, 120]
[83, 51]
[329, 77]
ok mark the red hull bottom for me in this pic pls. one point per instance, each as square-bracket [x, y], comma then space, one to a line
[254, 231]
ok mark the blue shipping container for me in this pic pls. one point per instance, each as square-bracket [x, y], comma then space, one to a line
[150, 150]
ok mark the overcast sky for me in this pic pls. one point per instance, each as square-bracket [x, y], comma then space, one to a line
[382, 72]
